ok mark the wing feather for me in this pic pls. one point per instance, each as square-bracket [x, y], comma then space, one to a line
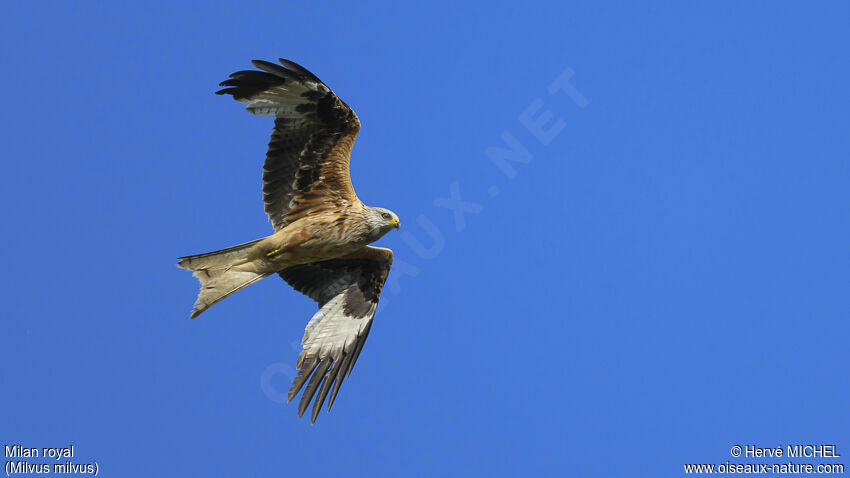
[339, 377]
[347, 291]
[305, 368]
[307, 163]
[318, 375]
[323, 392]
[298, 68]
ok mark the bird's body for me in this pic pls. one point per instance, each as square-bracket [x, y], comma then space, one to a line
[322, 230]
[315, 238]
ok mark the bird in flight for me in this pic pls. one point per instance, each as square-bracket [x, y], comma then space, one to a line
[322, 230]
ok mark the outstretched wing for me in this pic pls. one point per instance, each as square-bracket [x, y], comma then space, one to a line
[306, 168]
[347, 290]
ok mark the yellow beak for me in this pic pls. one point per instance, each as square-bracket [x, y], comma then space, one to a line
[394, 223]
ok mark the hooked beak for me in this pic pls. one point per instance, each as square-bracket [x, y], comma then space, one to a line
[395, 223]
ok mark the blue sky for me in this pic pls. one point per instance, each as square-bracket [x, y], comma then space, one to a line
[665, 276]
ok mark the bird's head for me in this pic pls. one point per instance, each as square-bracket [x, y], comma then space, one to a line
[383, 220]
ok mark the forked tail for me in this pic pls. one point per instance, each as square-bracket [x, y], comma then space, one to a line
[220, 274]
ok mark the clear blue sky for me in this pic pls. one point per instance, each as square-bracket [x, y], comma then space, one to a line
[665, 277]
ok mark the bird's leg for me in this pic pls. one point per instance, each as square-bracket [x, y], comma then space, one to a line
[273, 253]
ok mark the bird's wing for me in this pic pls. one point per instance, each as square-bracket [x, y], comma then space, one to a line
[347, 290]
[306, 168]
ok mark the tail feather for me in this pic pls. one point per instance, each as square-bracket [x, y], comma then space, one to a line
[220, 259]
[220, 274]
[219, 284]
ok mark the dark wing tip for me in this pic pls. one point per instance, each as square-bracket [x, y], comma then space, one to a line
[338, 379]
[247, 83]
[265, 65]
[312, 386]
[306, 367]
[300, 70]
[276, 70]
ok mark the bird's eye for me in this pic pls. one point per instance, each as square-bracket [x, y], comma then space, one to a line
[385, 215]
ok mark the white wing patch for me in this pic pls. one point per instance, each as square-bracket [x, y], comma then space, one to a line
[330, 331]
[281, 101]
